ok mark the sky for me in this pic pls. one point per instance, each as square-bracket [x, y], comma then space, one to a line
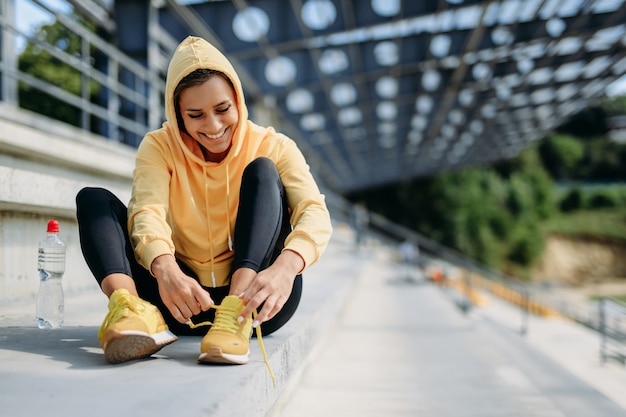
[30, 17]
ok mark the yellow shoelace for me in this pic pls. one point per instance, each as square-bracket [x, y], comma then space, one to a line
[226, 319]
[121, 303]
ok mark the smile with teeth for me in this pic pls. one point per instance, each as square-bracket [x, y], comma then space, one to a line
[219, 135]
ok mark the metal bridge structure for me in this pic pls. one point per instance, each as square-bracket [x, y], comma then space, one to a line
[374, 92]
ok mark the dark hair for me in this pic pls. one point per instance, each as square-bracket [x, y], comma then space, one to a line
[193, 79]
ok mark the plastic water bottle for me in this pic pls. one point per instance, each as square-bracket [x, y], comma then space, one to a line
[51, 267]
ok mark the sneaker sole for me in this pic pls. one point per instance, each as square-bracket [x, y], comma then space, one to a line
[130, 345]
[215, 355]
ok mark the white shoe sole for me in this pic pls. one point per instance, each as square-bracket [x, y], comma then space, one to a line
[215, 355]
[129, 345]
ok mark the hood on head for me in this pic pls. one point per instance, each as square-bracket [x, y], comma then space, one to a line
[194, 53]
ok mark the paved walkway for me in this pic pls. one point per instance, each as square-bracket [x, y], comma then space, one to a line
[402, 348]
[384, 346]
[62, 372]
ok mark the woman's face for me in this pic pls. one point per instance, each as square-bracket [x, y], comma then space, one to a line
[210, 115]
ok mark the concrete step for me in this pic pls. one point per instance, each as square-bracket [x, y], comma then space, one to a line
[63, 373]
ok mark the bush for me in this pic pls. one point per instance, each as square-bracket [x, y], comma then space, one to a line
[561, 155]
[527, 244]
[520, 196]
[574, 200]
[604, 199]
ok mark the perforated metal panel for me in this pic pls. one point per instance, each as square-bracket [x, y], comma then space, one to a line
[381, 91]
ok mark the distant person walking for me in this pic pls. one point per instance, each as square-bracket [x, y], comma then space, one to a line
[360, 224]
[409, 255]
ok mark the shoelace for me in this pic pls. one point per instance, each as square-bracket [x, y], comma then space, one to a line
[226, 319]
[122, 302]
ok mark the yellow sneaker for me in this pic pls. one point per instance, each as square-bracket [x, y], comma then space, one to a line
[227, 341]
[132, 329]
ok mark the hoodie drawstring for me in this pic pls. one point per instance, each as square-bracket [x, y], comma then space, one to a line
[230, 239]
[207, 206]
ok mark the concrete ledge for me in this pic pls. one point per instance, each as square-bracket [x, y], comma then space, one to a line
[43, 165]
[65, 371]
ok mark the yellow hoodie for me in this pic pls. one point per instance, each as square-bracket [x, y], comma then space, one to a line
[187, 207]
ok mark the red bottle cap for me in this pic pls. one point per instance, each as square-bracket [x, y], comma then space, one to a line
[53, 226]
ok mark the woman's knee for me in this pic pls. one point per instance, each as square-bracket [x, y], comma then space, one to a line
[91, 199]
[89, 195]
[261, 168]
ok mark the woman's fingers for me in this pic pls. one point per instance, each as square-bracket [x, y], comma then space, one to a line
[203, 299]
[271, 307]
[272, 304]
[190, 305]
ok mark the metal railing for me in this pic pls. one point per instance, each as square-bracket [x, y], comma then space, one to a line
[606, 315]
[612, 328]
[127, 104]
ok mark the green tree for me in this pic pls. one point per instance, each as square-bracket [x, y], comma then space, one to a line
[41, 64]
[561, 154]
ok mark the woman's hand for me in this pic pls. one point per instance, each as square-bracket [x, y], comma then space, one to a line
[272, 287]
[183, 296]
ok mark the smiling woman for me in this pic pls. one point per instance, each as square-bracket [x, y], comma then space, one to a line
[224, 218]
[209, 115]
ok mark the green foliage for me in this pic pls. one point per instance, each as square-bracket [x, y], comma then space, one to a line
[526, 244]
[574, 200]
[602, 224]
[605, 160]
[614, 106]
[561, 154]
[500, 216]
[605, 198]
[41, 64]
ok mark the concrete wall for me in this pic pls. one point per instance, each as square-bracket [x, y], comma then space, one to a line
[43, 164]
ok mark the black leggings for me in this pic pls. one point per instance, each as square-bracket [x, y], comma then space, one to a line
[260, 230]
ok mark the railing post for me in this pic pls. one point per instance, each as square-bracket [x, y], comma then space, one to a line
[8, 54]
[85, 80]
[602, 328]
[525, 311]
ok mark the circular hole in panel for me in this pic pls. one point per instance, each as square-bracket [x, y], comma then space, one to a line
[481, 72]
[456, 117]
[476, 127]
[318, 14]
[386, 8]
[419, 122]
[313, 121]
[386, 53]
[415, 137]
[555, 27]
[440, 45]
[387, 110]
[280, 71]
[387, 142]
[333, 61]
[424, 104]
[299, 101]
[350, 116]
[502, 36]
[524, 66]
[431, 80]
[387, 87]
[466, 97]
[343, 94]
[387, 128]
[251, 24]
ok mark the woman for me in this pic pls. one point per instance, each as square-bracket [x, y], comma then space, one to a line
[224, 214]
